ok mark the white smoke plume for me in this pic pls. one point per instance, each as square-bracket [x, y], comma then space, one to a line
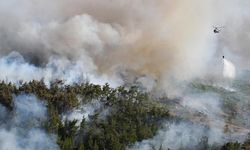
[15, 69]
[184, 135]
[22, 129]
[85, 111]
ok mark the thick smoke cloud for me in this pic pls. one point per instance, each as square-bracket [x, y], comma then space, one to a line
[22, 129]
[164, 39]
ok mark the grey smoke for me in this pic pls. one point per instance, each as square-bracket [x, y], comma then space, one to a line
[22, 129]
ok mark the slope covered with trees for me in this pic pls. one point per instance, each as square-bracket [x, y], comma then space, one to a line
[132, 115]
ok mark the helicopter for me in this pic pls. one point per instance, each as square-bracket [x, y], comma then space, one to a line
[217, 29]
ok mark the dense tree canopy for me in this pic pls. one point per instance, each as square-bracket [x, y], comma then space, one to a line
[133, 115]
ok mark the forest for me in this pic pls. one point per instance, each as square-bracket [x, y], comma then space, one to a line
[132, 115]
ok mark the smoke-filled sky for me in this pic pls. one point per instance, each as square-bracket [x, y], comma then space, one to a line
[162, 39]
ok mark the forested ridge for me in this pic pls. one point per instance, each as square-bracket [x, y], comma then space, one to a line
[132, 115]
